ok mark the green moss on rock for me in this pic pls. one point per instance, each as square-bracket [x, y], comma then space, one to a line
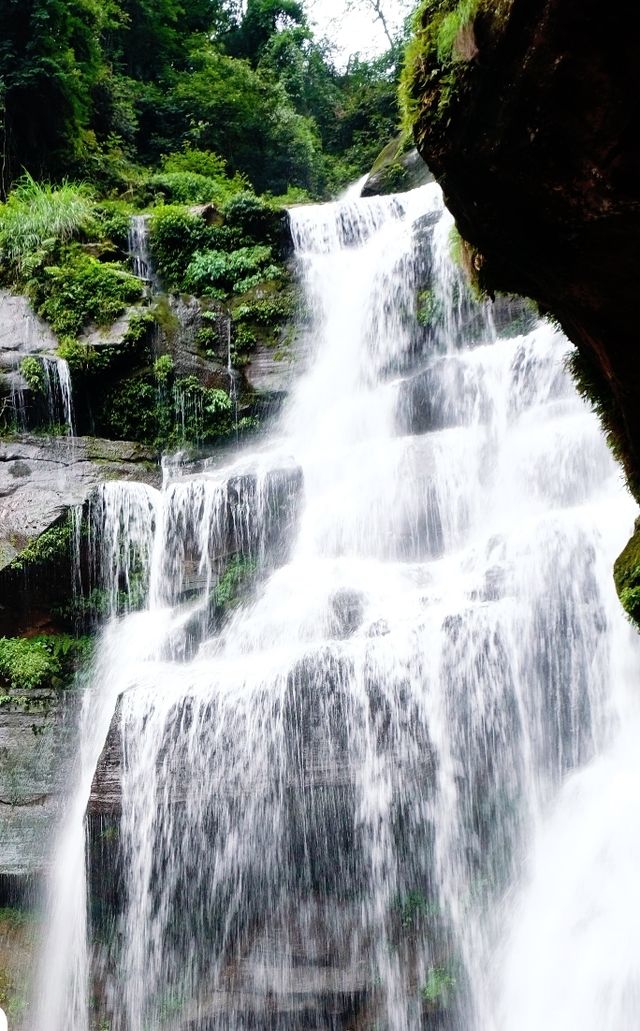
[626, 575]
[54, 545]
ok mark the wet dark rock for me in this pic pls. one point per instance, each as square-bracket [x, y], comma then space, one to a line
[449, 392]
[347, 613]
[396, 170]
[533, 134]
[181, 320]
[36, 760]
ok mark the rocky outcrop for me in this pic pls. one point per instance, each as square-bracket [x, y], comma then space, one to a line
[42, 478]
[527, 113]
[36, 760]
[396, 168]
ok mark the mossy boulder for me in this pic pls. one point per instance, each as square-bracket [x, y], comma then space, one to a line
[397, 168]
[626, 574]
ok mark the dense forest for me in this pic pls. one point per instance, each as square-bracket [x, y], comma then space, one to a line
[98, 90]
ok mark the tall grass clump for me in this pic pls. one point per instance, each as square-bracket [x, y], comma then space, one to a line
[37, 215]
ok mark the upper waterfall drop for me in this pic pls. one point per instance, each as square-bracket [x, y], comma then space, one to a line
[382, 643]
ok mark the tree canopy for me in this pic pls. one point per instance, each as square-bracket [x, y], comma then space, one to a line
[91, 88]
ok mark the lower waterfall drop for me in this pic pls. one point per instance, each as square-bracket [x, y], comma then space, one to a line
[380, 653]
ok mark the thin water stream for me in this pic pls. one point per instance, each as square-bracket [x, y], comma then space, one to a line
[375, 726]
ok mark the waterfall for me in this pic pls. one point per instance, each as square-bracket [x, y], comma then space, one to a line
[380, 690]
[58, 390]
[139, 248]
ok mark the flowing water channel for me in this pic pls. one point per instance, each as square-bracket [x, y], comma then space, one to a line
[376, 725]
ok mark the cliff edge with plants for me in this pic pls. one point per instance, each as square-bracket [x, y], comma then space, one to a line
[527, 113]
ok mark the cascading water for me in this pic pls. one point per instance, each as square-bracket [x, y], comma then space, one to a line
[57, 380]
[139, 251]
[328, 791]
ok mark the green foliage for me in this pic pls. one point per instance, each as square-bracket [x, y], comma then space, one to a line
[414, 907]
[51, 546]
[202, 415]
[36, 216]
[202, 162]
[233, 272]
[158, 409]
[255, 218]
[132, 410]
[98, 604]
[439, 987]
[163, 369]
[113, 220]
[195, 177]
[234, 582]
[175, 236]
[429, 310]
[186, 188]
[626, 575]
[32, 372]
[450, 28]
[80, 290]
[27, 663]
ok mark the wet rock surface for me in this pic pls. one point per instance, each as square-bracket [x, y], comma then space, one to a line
[42, 478]
[532, 132]
[37, 756]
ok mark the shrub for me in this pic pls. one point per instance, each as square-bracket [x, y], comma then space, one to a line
[439, 987]
[229, 271]
[175, 235]
[255, 218]
[33, 373]
[234, 582]
[81, 290]
[37, 215]
[202, 162]
[163, 369]
[147, 409]
[36, 662]
[113, 222]
[52, 545]
[202, 414]
[187, 188]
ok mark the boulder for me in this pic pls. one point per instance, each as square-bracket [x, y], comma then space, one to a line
[42, 478]
[397, 169]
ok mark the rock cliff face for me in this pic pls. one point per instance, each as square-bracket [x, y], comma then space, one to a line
[530, 124]
[527, 112]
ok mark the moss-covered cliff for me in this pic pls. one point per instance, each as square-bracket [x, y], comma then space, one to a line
[527, 112]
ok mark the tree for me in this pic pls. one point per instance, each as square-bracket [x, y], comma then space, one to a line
[262, 20]
[386, 12]
[50, 58]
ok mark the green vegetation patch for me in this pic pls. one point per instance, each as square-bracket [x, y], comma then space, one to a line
[47, 661]
[79, 291]
[442, 42]
[54, 545]
[234, 583]
[439, 988]
[220, 273]
[32, 371]
[626, 575]
[156, 406]
[38, 215]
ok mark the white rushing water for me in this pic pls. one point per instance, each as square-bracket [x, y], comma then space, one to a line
[139, 250]
[58, 392]
[394, 785]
